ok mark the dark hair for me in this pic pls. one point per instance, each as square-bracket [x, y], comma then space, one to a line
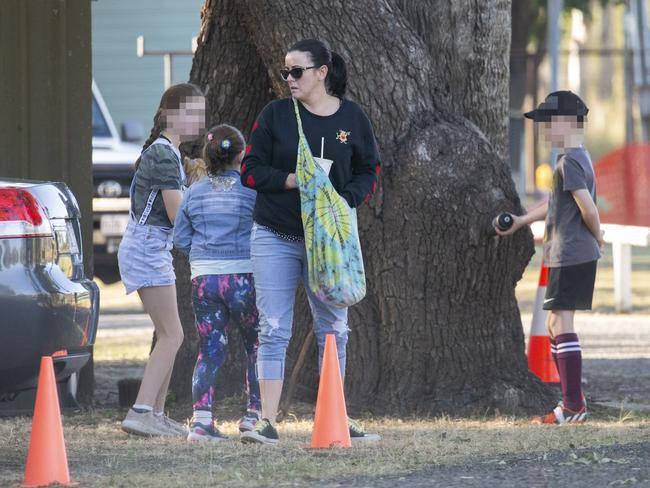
[171, 100]
[321, 55]
[223, 143]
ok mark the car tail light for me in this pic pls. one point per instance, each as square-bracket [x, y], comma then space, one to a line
[21, 215]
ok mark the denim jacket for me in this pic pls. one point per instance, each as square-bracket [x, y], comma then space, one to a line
[215, 219]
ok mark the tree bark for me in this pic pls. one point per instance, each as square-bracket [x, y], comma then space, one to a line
[439, 330]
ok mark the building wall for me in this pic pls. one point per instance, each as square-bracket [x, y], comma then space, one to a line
[45, 97]
[132, 86]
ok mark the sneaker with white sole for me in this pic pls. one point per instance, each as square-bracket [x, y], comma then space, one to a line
[561, 415]
[171, 425]
[262, 433]
[145, 424]
[248, 421]
[205, 433]
[358, 434]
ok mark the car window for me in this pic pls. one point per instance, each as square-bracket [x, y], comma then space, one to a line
[100, 127]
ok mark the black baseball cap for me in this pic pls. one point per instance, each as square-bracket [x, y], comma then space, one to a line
[563, 102]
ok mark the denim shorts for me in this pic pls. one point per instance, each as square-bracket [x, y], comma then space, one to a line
[144, 257]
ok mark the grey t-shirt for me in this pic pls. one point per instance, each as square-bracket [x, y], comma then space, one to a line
[568, 241]
[159, 169]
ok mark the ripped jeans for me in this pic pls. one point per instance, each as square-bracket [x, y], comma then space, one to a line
[279, 266]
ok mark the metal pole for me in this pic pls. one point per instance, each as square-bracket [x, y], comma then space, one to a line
[167, 57]
[554, 12]
[643, 82]
[167, 69]
[631, 38]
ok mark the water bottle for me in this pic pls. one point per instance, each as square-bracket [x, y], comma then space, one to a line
[503, 221]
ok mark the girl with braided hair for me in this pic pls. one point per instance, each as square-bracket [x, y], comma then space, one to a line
[144, 256]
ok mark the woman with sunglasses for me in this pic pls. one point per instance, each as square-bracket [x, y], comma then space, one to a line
[339, 132]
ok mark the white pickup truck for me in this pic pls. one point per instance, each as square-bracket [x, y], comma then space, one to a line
[113, 166]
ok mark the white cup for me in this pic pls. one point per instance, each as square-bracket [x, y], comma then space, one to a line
[326, 164]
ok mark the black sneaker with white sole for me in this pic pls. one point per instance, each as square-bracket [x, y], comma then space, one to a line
[358, 434]
[262, 433]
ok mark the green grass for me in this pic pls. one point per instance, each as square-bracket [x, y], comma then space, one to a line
[121, 344]
[101, 455]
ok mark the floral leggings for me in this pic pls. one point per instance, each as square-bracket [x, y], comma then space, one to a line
[221, 302]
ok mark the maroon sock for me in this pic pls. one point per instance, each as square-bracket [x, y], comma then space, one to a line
[569, 365]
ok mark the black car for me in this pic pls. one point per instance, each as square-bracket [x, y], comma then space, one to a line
[47, 305]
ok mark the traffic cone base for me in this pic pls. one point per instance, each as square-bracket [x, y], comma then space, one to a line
[331, 419]
[47, 461]
[540, 359]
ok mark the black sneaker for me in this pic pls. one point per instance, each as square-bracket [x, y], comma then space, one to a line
[263, 433]
[357, 434]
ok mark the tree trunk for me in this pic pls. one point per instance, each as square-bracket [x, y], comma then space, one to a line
[439, 329]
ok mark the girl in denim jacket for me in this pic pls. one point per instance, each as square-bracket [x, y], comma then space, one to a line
[214, 226]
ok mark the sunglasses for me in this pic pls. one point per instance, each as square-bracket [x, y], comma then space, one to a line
[296, 73]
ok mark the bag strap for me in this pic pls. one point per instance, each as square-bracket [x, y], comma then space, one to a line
[301, 134]
[305, 163]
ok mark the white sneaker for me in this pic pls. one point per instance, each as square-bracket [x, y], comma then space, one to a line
[144, 424]
[167, 424]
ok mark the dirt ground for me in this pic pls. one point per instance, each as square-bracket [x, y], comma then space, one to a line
[619, 465]
[616, 353]
[616, 375]
[612, 450]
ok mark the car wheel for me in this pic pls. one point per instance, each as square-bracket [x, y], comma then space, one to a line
[71, 385]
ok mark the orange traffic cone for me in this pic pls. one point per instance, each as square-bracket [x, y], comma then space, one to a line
[540, 360]
[47, 461]
[331, 420]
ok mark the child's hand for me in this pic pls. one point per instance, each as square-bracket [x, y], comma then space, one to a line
[601, 241]
[517, 223]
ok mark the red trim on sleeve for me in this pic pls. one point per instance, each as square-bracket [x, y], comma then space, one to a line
[250, 181]
[377, 169]
[242, 169]
[248, 149]
[255, 126]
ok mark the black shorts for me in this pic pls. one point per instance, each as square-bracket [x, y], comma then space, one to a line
[570, 287]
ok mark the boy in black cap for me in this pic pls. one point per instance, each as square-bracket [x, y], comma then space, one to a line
[573, 242]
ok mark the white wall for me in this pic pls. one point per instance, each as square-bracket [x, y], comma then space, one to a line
[132, 86]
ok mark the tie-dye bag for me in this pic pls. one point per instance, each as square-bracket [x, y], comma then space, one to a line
[335, 264]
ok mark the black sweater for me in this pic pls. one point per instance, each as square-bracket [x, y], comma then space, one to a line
[272, 153]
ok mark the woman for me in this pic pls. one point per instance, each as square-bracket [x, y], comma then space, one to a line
[339, 130]
[144, 256]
